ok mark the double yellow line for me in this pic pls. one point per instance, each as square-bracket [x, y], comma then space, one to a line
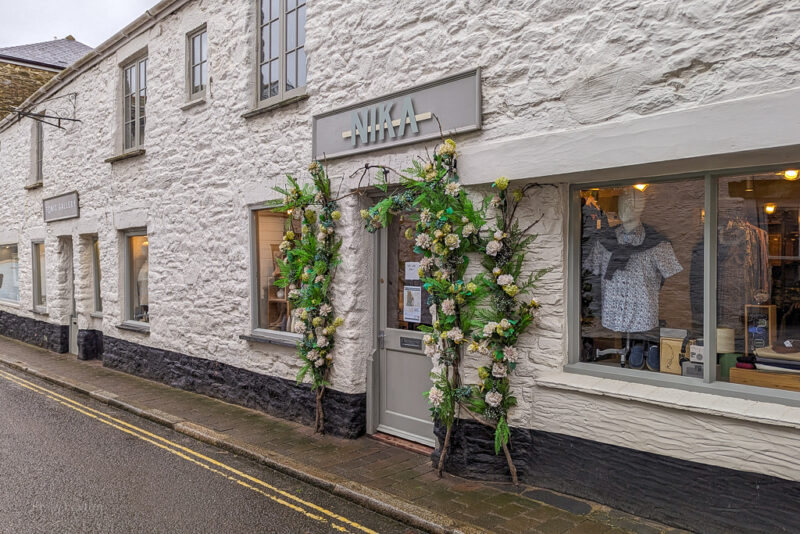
[308, 509]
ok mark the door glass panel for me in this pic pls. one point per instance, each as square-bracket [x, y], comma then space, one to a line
[406, 299]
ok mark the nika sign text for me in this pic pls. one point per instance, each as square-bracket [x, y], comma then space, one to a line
[61, 207]
[452, 104]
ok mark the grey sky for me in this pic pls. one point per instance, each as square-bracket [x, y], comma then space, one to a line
[89, 21]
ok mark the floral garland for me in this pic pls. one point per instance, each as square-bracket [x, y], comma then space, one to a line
[505, 319]
[447, 228]
[307, 270]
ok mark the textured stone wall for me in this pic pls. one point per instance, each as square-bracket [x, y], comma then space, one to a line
[18, 82]
[546, 67]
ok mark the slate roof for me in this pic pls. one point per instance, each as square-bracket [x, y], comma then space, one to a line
[58, 53]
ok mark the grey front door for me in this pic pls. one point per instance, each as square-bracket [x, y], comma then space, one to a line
[403, 368]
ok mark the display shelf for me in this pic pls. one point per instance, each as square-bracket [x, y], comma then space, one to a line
[767, 379]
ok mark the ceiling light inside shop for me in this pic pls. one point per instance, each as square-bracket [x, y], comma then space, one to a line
[770, 208]
[749, 186]
[790, 174]
[146, 243]
[641, 187]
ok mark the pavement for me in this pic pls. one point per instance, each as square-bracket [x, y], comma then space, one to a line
[396, 482]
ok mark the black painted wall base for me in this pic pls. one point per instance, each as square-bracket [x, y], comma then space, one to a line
[90, 344]
[691, 495]
[54, 337]
[345, 413]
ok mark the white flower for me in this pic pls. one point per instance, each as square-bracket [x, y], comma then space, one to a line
[322, 341]
[494, 398]
[452, 241]
[425, 216]
[425, 263]
[319, 279]
[505, 279]
[510, 354]
[456, 335]
[427, 339]
[423, 241]
[319, 363]
[449, 307]
[318, 198]
[498, 235]
[493, 247]
[452, 189]
[325, 309]
[483, 347]
[313, 355]
[495, 202]
[468, 229]
[321, 235]
[489, 328]
[504, 324]
[435, 396]
[300, 327]
[284, 246]
[499, 370]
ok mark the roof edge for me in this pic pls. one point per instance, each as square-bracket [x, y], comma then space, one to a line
[143, 22]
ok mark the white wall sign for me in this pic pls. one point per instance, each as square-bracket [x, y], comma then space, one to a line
[400, 118]
[61, 207]
[412, 270]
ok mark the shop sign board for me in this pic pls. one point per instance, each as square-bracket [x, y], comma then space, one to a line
[447, 106]
[61, 207]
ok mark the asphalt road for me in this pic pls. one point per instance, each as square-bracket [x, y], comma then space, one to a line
[71, 464]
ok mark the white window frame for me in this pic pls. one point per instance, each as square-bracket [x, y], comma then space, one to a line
[9, 302]
[709, 383]
[191, 62]
[36, 271]
[274, 336]
[128, 321]
[97, 304]
[283, 95]
[138, 140]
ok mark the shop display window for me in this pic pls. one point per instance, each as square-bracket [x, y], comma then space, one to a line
[758, 280]
[39, 277]
[9, 273]
[274, 309]
[138, 273]
[407, 300]
[638, 246]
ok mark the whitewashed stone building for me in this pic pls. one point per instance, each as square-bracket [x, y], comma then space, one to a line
[187, 118]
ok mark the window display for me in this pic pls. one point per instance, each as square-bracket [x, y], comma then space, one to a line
[273, 303]
[9, 273]
[138, 274]
[636, 247]
[758, 287]
[407, 300]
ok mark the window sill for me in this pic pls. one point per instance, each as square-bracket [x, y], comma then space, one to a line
[125, 155]
[198, 100]
[40, 311]
[96, 315]
[277, 105]
[135, 326]
[734, 401]
[284, 339]
[10, 303]
[37, 185]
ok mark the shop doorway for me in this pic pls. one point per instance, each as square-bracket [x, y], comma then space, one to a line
[67, 262]
[403, 374]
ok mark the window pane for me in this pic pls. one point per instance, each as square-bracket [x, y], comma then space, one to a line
[141, 130]
[204, 46]
[264, 10]
[758, 280]
[275, 35]
[264, 43]
[142, 74]
[301, 67]
[196, 77]
[291, 30]
[290, 4]
[203, 74]
[196, 50]
[97, 276]
[291, 71]
[9, 273]
[138, 268]
[130, 134]
[40, 273]
[406, 299]
[274, 310]
[276, 12]
[642, 275]
[274, 87]
[301, 26]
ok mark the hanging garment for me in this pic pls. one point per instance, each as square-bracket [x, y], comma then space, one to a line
[633, 266]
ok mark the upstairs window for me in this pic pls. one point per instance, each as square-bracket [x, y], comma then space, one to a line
[197, 62]
[134, 98]
[282, 55]
[37, 151]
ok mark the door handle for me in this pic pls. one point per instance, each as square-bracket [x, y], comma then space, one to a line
[382, 340]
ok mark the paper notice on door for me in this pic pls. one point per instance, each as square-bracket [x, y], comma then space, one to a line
[412, 270]
[412, 304]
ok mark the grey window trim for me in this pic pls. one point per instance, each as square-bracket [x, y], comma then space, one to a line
[36, 268]
[708, 383]
[97, 301]
[194, 98]
[280, 337]
[294, 95]
[128, 323]
[138, 142]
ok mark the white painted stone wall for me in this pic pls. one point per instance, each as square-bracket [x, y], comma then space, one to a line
[546, 66]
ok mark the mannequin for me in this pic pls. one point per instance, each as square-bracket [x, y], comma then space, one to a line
[633, 260]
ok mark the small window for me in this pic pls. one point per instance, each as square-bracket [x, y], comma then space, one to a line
[134, 98]
[136, 274]
[273, 311]
[39, 278]
[96, 276]
[282, 55]
[197, 62]
[9, 273]
[37, 173]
